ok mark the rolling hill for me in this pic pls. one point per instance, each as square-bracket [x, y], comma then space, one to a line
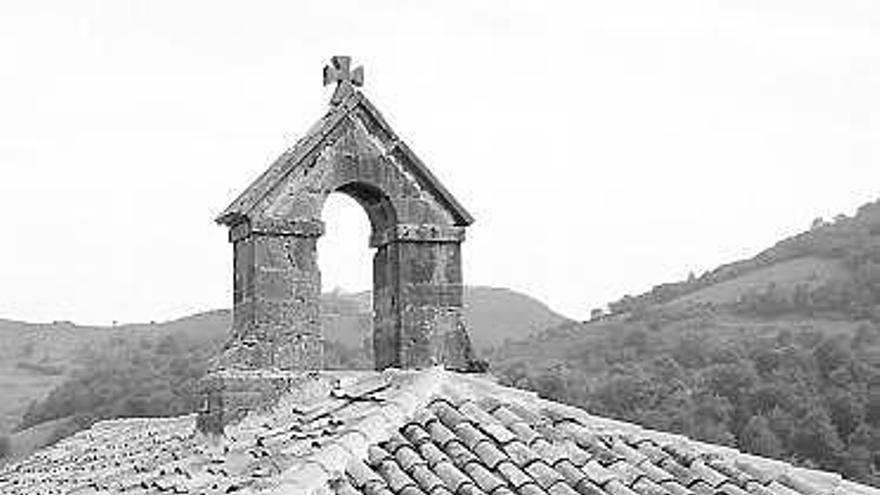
[36, 358]
[493, 315]
[778, 354]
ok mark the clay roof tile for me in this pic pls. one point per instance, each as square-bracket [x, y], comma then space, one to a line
[645, 486]
[432, 454]
[459, 454]
[587, 487]
[730, 471]
[527, 414]
[489, 454]
[487, 481]
[408, 458]
[801, 485]
[778, 488]
[452, 477]
[531, 489]
[427, 480]
[701, 488]
[549, 452]
[756, 488]
[570, 472]
[627, 473]
[652, 452]
[415, 434]
[545, 475]
[513, 474]
[362, 475]
[469, 434]
[525, 432]
[376, 454]
[343, 487]
[616, 487]
[476, 414]
[597, 473]
[575, 454]
[486, 422]
[707, 474]
[447, 413]
[561, 489]
[729, 488]
[440, 490]
[506, 416]
[682, 474]
[470, 489]
[619, 447]
[655, 473]
[411, 490]
[675, 488]
[396, 478]
[521, 454]
[395, 442]
[377, 489]
[440, 434]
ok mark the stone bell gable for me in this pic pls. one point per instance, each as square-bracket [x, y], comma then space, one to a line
[417, 231]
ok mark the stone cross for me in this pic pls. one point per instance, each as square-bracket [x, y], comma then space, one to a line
[339, 72]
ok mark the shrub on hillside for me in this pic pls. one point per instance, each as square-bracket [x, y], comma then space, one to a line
[125, 378]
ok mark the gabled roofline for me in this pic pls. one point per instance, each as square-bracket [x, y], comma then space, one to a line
[464, 218]
[239, 209]
[242, 206]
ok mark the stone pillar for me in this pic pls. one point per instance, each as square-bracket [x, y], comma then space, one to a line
[275, 345]
[276, 297]
[417, 298]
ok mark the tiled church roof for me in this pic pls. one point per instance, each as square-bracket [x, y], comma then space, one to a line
[429, 432]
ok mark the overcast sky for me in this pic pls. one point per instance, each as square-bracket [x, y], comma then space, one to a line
[603, 147]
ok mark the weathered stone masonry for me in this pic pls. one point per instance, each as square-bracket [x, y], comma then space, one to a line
[417, 228]
[276, 283]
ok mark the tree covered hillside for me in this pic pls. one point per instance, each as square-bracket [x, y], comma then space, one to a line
[778, 355]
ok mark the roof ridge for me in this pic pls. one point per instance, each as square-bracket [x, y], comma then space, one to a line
[326, 451]
[317, 470]
[464, 217]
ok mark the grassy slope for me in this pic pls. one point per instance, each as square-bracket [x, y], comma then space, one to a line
[557, 344]
[813, 259]
[809, 270]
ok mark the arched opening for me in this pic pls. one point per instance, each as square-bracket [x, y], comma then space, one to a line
[345, 261]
